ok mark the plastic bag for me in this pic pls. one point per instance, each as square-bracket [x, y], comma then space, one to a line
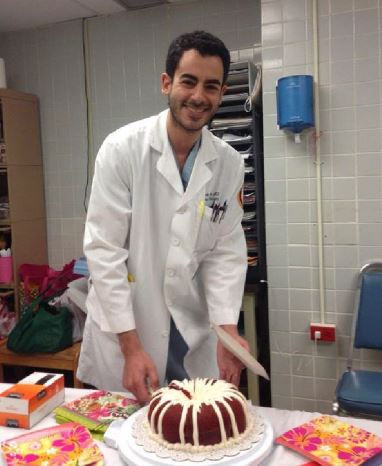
[78, 315]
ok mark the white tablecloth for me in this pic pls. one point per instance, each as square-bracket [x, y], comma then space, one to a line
[281, 421]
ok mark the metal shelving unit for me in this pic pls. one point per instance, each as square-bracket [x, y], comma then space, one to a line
[239, 121]
[22, 204]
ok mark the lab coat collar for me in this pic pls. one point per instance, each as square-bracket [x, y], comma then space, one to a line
[167, 166]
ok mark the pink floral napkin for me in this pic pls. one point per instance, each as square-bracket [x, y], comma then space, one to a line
[66, 445]
[97, 410]
[331, 442]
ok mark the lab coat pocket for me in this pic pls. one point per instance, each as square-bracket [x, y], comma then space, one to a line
[207, 231]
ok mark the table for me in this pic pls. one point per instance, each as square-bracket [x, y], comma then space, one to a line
[281, 420]
[66, 359]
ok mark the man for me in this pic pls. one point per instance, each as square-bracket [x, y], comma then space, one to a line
[163, 237]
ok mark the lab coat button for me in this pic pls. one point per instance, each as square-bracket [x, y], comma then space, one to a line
[170, 272]
[175, 242]
[165, 334]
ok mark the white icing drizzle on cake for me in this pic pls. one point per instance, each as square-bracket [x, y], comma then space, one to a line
[218, 413]
[193, 394]
[195, 424]
[181, 426]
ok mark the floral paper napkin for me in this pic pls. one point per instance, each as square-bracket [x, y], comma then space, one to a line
[331, 442]
[97, 410]
[69, 444]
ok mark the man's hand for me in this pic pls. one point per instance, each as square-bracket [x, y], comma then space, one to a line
[229, 366]
[139, 373]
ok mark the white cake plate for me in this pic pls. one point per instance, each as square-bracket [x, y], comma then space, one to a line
[134, 454]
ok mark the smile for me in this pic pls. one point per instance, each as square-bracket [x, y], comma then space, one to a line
[196, 109]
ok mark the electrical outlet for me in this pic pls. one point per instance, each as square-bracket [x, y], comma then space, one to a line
[323, 332]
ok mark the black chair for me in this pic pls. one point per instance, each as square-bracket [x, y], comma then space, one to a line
[359, 392]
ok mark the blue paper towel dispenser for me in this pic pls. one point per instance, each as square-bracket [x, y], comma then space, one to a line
[295, 106]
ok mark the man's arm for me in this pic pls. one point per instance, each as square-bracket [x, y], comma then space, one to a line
[107, 227]
[139, 374]
[105, 245]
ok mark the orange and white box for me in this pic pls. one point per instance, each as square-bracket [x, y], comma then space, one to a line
[34, 397]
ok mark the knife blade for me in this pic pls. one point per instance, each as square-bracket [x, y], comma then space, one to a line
[242, 354]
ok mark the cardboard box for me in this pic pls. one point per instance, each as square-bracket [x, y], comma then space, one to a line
[34, 397]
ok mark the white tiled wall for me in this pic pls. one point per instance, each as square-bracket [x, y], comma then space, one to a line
[129, 51]
[127, 57]
[350, 43]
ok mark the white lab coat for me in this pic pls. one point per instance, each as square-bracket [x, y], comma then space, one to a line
[142, 225]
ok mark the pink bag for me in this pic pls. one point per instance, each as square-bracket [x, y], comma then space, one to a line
[42, 279]
[6, 271]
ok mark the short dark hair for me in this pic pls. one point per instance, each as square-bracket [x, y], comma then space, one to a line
[204, 42]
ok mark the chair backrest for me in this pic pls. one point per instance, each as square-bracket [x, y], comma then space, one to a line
[368, 324]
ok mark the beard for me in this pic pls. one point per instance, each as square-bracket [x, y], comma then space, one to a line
[188, 124]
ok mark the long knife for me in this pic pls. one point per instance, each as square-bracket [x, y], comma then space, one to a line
[243, 355]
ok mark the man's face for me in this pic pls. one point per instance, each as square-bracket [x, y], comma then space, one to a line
[195, 92]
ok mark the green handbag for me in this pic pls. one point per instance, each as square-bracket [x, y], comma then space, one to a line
[42, 328]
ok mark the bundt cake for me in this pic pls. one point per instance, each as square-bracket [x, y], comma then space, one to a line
[193, 414]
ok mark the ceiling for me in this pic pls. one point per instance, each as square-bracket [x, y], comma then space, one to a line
[16, 15]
